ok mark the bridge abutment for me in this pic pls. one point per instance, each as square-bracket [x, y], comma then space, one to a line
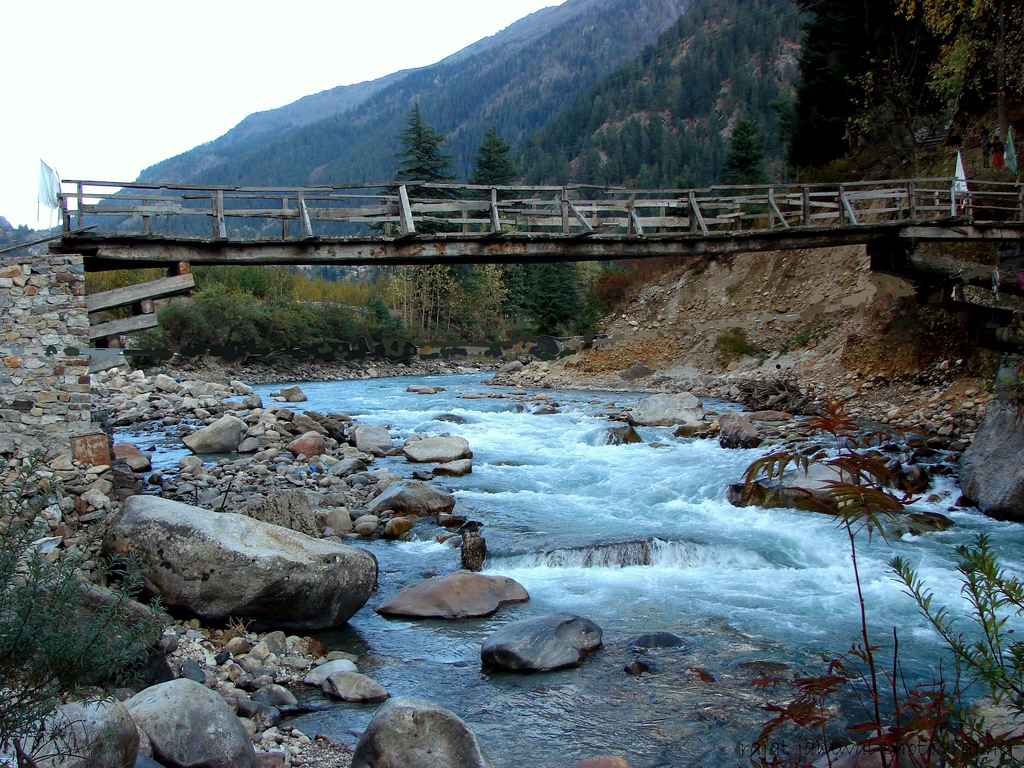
[44, 364]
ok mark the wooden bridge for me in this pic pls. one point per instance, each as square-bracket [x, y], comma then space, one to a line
[131, 225]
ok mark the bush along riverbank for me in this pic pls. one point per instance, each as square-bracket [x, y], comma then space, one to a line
[252, 607]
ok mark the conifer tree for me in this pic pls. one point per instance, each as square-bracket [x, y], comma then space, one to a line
[494, 163]
[421, 157]
[744, 161]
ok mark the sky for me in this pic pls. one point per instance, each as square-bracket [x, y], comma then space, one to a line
[102, 89]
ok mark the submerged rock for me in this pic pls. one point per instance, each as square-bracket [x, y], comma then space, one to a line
[622, 436]
[458, 595]
[548, 642]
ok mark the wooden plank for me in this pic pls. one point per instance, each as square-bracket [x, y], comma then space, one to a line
[408, 226]
[155, 289]
[127, 325]
[695, 215]
[587, 229]
[307, 228]
[219, 228]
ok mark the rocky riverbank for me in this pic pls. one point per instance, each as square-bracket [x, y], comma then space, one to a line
[313, 474]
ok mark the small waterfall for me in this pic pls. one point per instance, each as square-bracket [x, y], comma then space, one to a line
[637, 553]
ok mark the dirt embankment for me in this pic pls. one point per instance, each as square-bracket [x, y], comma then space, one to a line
[818, 318]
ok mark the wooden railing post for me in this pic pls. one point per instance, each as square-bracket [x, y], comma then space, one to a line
[495, 218]
[806, 215]
[696, 218]
[65, 220]
[307, 227]
[81, 219]
[408, 226]
[565, 210]
[284, 219]
[839, 205]
[1020, 198]
[911, 201]
[220, 230]
[145, 218]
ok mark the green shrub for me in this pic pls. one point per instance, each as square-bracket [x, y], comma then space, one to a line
[54, 641]
[733, 344]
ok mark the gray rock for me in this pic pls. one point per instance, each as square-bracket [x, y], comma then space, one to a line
[347, 467]
[352, 686]
[373, 439]
[288, 509]
[544, 643]
[454, 468]
[682, 409]
[412, 733]
[249, 445]
[190, 726]
[622, 436]
[317, 675]
[223, 565]
[252, 401]
[796, 490]
[509, 368]
[635, 372]
[91, 734]
[275, 695]
[293, 394]
[737, 431]
[458, 595]
[437, 449]
[413, 497]
[223, 436]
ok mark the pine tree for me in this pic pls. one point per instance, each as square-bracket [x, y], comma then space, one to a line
[421, 158]
[744, 161]
[494, 163]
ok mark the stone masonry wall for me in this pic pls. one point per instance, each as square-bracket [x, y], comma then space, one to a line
[44, 375]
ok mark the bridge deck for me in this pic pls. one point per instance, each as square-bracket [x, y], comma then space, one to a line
[120, 225]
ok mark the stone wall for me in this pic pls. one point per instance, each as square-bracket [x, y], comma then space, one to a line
[44, 333]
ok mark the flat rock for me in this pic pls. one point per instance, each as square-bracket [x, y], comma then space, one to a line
[666, 411]
[352, 686]
[548, 642]
[411, 733]
[222, 565]
[437, 449]
[454, 468]
[317, 675]
[458, 595]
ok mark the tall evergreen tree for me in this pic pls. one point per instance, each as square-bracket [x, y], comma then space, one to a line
[494, 165]
[421, 157]
[744, 161]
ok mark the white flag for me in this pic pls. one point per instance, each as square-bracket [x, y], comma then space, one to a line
[959, 181]
[49, 186]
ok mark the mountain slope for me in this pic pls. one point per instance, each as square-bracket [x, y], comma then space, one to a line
[664, 119]
[516, 79]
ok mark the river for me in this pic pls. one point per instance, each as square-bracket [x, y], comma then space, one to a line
[637, 538]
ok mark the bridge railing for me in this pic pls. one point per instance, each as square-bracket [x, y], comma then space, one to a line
[442, 210]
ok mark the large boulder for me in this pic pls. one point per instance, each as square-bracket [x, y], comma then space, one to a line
[190, 726]
[88, 734]
[413, 497]
[797, 489]
[221, 565]
[373, 439]
[437, 449]
[317, 675]
[458, 595]
[737, 431]
[223, 436]
[992, 468]
[412, 733]
[547, 642]
[288, 509]
[681, 409]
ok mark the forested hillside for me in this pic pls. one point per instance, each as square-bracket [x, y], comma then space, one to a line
[664, 120]
[517, 80]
